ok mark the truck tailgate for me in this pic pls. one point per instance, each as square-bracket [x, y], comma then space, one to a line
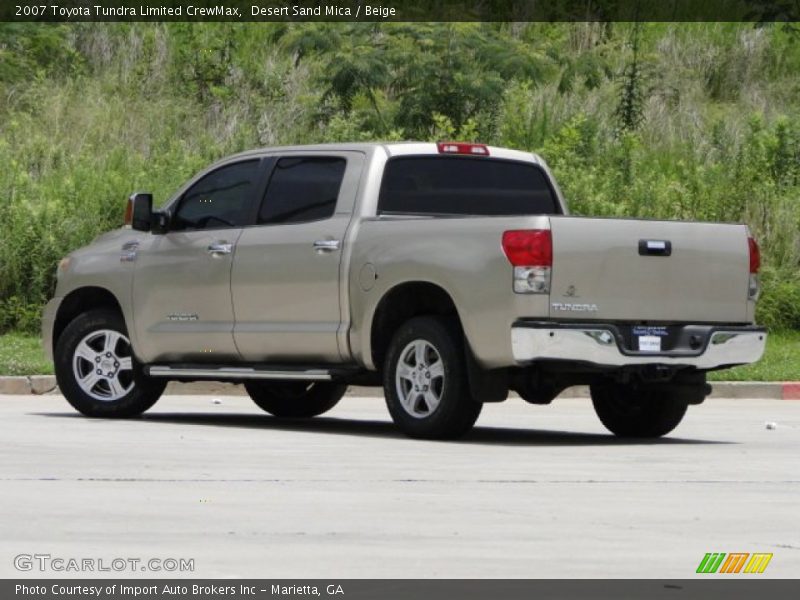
[637, 270]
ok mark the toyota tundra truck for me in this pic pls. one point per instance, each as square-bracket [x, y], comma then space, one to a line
[450, 274]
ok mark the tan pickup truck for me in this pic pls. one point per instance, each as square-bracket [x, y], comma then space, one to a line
[449, 274]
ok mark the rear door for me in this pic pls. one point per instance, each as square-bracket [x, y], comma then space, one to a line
[637, 270]
[182, 283]
[287, 270]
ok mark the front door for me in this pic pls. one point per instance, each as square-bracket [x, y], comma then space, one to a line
[286, 274]
[182, 283]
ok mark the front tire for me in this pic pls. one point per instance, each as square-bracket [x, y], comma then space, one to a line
[96, 370]
[644, 412]
[295, 399]
[425, 380]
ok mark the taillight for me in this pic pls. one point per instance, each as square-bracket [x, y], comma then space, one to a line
[755, 265]
[463, 148]
[530, 251]
[755, 255]
[529, 247]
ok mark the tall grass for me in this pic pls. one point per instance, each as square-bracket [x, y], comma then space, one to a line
[687, 121]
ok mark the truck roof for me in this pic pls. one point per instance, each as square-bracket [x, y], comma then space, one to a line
[391, 149]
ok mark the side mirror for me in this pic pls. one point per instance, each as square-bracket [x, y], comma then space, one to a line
[141, 207]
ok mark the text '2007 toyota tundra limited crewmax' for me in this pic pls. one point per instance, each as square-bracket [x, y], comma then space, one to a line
[448, 273]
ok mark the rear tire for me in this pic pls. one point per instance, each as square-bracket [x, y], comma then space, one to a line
[295, 399]
[425, 380]
[96, 370]
[644, 412]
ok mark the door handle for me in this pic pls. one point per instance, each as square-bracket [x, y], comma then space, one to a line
[655, 248]
[219, 248]
[321, 246]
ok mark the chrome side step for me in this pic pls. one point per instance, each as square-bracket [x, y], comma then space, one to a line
[223, 373]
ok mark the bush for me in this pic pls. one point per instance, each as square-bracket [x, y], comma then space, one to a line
[669, 121]
[779, 305]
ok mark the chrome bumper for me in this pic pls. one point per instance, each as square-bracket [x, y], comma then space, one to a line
[599, 346]
[48, 320]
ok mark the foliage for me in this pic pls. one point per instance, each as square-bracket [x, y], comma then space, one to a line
[660, 120]
[22, 354]
[781, 362]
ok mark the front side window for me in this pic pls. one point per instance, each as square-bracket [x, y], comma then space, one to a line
[219, 199]
[302, 189]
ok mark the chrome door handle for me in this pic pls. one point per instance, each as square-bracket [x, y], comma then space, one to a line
[219, 248]
[326, 245]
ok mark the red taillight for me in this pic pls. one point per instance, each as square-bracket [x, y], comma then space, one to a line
[128, 212]
[529, 247]
[463, 148]
[755, 255]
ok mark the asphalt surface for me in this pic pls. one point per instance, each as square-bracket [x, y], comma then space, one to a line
[531, 492]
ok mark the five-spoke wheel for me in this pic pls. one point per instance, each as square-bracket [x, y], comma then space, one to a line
[420, 378]
[425, 379]
[103, 365]
[96, 369]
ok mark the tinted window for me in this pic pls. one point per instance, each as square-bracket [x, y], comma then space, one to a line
[302, 189]
[465, 186]
[219, 199]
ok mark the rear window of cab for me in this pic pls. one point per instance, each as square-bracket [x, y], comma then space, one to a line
[456, 185]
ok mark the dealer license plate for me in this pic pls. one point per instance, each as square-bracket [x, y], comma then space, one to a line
[649, 343]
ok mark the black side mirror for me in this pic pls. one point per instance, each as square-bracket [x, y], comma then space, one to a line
[141, 211]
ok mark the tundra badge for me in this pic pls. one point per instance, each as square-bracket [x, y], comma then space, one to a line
[567, 306]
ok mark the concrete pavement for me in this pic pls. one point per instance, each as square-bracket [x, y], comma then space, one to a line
[532, 492]
[46, 384]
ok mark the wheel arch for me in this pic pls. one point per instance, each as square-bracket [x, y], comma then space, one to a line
[400, 303]
[80, 301]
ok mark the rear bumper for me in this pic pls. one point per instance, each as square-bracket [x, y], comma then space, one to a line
[48, 320]
[601, 345]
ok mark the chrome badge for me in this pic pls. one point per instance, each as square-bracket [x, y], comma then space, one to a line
[570, 307]
[183, 317]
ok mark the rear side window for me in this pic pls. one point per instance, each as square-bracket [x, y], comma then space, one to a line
[302, 190]
[218, 200]
[453, 185]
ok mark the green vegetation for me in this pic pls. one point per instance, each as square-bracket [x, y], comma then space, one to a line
[21, 354]
[687, 121]
[781, 362]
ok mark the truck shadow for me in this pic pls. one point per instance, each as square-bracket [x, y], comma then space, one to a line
[481, 435]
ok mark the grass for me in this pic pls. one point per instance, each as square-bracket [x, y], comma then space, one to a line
[781, 362]
[22, 354]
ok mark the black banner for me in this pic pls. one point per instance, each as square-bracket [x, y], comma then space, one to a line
[399, 10]
[376, 589]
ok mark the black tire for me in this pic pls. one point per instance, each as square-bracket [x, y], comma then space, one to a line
[437, 409]
[295, 399]
[131, 393]
[644, 412]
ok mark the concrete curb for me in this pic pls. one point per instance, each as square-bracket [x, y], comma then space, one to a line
[31, 384]
[46, 384]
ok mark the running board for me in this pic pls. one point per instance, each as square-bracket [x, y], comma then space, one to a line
[225, 373]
